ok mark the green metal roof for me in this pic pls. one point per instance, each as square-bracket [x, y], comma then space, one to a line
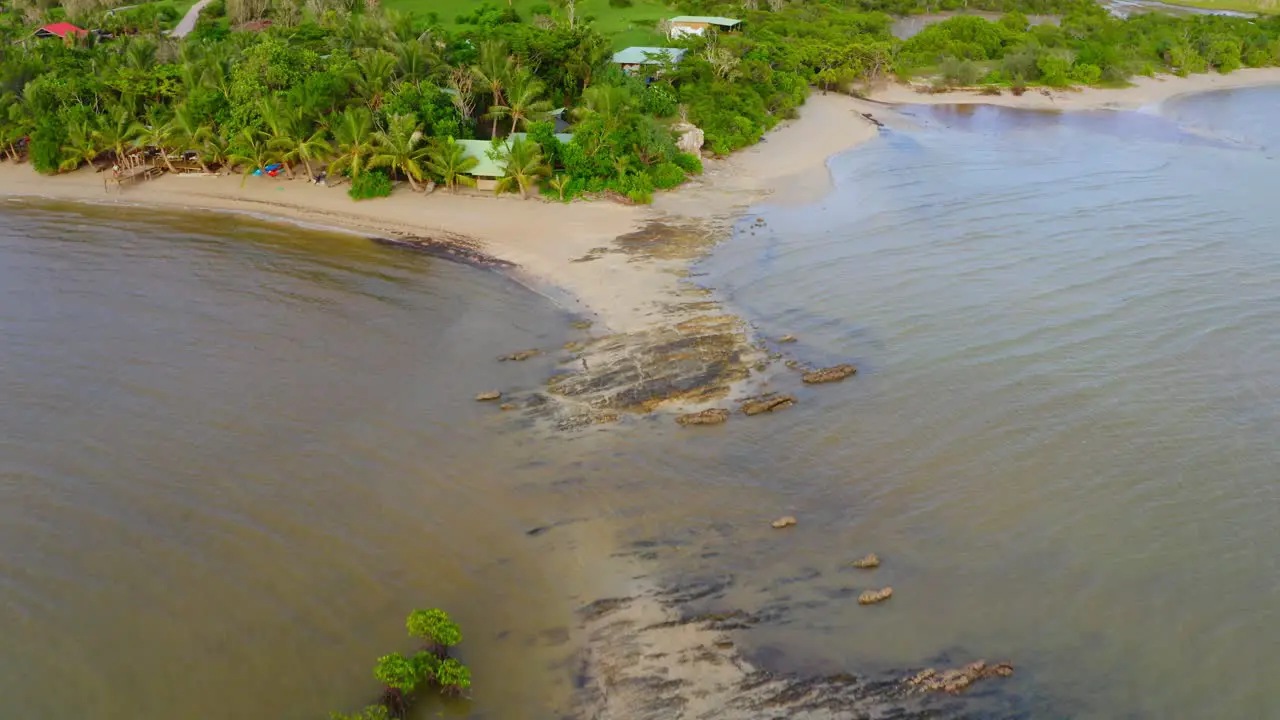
[708, 19]
[487, 167]
[647, 55]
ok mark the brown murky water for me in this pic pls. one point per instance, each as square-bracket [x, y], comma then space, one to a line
[233, 455]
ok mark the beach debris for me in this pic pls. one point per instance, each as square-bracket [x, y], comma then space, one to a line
[783, 522]
[711, 416]
[787, 339]
[507, 406]
[867, 562]
[768, 402]
[871, 597]
[956, 680]
[521, 356]
[488, 395]
[831, 374]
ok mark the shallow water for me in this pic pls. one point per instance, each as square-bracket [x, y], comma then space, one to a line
[233, 455]
[1063, 437]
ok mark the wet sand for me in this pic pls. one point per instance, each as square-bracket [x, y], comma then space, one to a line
[1143, 92]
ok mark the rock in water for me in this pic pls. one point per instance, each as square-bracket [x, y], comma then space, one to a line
[831, 374]
[957, 680]
[507, 406]
[868, 562]
[787, 339]
[713, 416]
[783, 522]
[520, 356]
[489, 395]
[871, 597]
[767, 403]
[691, 138]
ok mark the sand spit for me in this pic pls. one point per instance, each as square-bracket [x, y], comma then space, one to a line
[1143, 92]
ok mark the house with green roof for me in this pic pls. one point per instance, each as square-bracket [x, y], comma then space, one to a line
[698, 24]
[635, 60]
[488, 170]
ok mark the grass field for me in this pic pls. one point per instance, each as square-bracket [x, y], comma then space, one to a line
[627, 26]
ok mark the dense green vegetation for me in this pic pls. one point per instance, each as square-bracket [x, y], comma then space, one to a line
[380, 96]
[402, 675]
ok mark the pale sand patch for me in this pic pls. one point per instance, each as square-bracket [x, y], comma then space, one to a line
[544, 239]
[1145, 91]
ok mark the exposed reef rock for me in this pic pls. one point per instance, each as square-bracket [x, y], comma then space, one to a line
[521, 356]
[871, 597]
[831, 374]
[867, 562]
[957, 680]
[783, 522]
[713, 416]
[767, 403]
[488, 395]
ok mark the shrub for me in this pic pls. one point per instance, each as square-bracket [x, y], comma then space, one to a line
[435, 626]
[397, 672]
[540, 9]
[690, 163]
[960, 72]
[453, 677]
[1086, 74]
[659, 100]
[667, 175]
[370, 184]
[45, 151]
[620, 3]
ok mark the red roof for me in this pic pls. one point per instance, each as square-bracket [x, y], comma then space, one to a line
[63, 29]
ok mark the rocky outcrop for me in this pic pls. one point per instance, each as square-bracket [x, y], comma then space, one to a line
[831, 374]
[488, 395]
[521, 356]
[713, 416]
[871, 597]
[867, 562]
[957, 680]
[691, 137]
[783, 522]
[767, 403]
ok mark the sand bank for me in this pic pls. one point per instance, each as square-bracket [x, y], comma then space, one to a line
[1145, 91]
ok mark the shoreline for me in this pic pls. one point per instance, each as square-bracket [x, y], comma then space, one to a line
[1143, 92]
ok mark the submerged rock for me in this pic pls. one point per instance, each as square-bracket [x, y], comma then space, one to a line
[782, 522]
[787, 339]
[507, 406]
[488, 395]
[521, 356]
[581, 324]
[767, 403]
[867, 562]
[831, 374]
[957, 680]
[712, 416]
[871, 597]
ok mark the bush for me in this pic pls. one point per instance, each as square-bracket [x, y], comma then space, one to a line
[659, 100]
[540, 9]
[960, 72]
[370, 184]
[667, 175]
[215, 9]
[620, 3]
[688, 162]
[1086, 74]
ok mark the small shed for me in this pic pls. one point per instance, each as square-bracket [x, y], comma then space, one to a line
[62, 30]
[635, 59]
[698, 24]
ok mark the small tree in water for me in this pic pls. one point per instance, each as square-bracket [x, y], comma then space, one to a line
[436, 628]
[453, 677]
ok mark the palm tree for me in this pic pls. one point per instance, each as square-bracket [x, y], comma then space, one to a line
[373, 77]
[492, 71]
[524, 100]
[353, 131]
[215, 150]
[560, 183]
[605, 101]
[116, 132]
[448, 160]
[250, 149]
[524, 166]
[400, 148]
[80, 148]
[186, 132]
[414, 61]
[157, 135]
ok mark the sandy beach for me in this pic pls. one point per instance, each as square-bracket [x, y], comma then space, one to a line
[1144, 91]
[542, 239]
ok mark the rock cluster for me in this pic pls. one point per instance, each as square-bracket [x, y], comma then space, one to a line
[712, 416]
[767, 403]
[955, 681]
[521, 356]
[831, 374]
[488, 395]
[871, 597]
[867, 562]
[782, 522]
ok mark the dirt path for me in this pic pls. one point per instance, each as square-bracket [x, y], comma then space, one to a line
[188, 22]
